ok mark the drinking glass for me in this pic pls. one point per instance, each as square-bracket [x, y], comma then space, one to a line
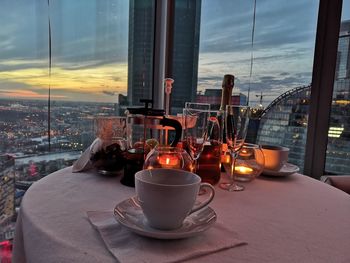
[108, 153]
[196, 128]
[236, 126]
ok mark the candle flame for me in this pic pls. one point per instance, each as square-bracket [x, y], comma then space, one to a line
[243, 169]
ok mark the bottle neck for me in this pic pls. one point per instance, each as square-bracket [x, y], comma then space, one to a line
[227, 87]
[226, 97]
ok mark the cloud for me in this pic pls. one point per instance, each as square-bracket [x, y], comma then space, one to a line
[88, 79]
[27, 94]
[228, 26]
[81, 31]
[110, 93]
[89, 45]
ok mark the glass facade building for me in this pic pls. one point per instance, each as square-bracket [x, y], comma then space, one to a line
[140, 50]
[185, 52]
[338, 149]
[185, 43]
[284, 121]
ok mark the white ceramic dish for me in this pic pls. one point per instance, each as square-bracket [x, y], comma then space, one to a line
[286, 170]
[130, 215]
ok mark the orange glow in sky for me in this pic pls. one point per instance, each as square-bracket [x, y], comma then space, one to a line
[88, 81]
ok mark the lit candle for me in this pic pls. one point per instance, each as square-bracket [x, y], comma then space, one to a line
[245, 153]
[243, 170]
[225, 158]
[169, 161]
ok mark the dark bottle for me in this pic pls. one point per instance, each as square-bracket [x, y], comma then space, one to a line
[227, 87]
[226, 94]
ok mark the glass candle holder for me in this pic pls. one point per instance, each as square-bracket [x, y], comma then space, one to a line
[168, 157]
[249, 163]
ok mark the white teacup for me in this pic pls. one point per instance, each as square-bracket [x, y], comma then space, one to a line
[168, 196]
[275, 156]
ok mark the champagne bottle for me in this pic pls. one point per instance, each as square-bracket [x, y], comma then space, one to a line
[226, 94]
[227, 87]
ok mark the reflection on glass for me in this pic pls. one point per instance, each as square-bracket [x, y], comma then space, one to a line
[282, 56]
[338, 148]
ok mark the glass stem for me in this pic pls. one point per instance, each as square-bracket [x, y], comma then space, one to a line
[233, 165]
[195, 163]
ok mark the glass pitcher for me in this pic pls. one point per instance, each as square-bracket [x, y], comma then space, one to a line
[146, 128]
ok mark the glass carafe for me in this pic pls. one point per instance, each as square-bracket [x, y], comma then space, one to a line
[146, 128]
[209, 162]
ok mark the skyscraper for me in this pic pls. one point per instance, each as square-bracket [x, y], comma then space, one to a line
[185, 43]
[184, 68]
[284, 122]
[338, 149]
[140, 50]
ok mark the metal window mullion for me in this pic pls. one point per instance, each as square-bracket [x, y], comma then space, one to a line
[322, 86]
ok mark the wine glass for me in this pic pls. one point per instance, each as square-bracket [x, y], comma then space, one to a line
[236, 126]
[196, 128]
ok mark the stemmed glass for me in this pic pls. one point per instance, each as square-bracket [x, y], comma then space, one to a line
[196, 117]
[236, 126]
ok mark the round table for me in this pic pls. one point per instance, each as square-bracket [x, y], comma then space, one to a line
[291, 219]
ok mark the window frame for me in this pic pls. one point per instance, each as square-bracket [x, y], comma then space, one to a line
[325, 55]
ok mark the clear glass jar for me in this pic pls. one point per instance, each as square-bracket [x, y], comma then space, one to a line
[250, 163]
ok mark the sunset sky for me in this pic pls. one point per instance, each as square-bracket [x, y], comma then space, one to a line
[90, 45]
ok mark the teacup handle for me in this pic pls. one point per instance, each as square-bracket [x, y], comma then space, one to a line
[206, 202]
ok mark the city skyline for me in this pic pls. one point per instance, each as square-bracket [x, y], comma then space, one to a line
[89, 60]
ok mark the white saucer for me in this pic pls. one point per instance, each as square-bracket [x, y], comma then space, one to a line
[129, 214]
[286, 170]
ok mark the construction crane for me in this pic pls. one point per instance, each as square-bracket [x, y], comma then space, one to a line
[260, 99]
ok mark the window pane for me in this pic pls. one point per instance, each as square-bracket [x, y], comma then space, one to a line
[92, 47]
[283, 49]
[88, 41]
[338, 148]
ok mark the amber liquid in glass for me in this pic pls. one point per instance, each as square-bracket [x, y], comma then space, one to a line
[134, 159]
[209, 162]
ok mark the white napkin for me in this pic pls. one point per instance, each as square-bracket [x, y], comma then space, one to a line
[84, 163]
[126, 246]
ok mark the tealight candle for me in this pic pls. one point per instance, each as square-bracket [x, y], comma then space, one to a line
[169, 161]
[243, 170]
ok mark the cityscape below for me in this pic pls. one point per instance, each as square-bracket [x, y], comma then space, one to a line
[38, 138]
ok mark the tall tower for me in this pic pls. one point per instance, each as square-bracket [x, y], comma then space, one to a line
[184, 51]
[140, 50]
[338, 149]
[184, 69]
[343, 58]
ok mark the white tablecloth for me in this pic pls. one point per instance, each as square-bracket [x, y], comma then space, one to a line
[292, 219]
